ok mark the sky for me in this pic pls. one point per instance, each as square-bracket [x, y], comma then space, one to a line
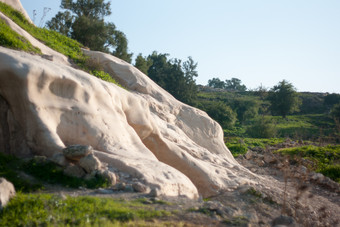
[260, 42]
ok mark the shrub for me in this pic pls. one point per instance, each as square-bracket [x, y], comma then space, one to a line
[261, 128]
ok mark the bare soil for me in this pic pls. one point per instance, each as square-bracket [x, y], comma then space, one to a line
[287, 195]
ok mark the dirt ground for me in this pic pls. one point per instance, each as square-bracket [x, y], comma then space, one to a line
[288, 195]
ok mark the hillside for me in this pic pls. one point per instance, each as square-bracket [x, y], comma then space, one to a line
[81, 129]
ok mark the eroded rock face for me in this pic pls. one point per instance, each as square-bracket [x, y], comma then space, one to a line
[144, 131]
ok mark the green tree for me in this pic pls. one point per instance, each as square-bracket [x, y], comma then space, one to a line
[283, 99]
[216, 83]
[62, 23]
[220, 112]
[173, 76]
[246, 108]
[335, 112]
[331, 99]
[235, 85]
[143, 63]
[83, 20]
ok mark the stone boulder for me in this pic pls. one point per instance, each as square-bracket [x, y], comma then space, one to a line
[90, 163]
[7, 192]
[77, 152]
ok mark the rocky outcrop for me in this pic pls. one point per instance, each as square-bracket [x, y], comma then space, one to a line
[7, 192]
[142, 130]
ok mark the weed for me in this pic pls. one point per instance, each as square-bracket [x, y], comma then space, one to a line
[51, 210]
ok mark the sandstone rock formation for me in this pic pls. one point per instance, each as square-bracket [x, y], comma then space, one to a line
[7, 191]
[173, 148]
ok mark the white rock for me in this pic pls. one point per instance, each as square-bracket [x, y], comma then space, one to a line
[137, 131]
[76, 152]
[59, 159]
[7, 192]
[89, 163]
[139, 187]
[109, 176]
[74, 171]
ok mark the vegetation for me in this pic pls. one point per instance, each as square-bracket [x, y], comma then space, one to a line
[283, 99]
[11, 39]
[325, 159]
[171, 74]
[43, 171]
[52, 210]
[234, 84]
[83, 20]
[52, 39]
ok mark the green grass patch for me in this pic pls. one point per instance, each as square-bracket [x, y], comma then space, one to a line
[52, 210]
[52, 39]
[106, 77]
[326, 159]
[306, 126]
[9, 169]
[56, 41]
[239, 146]
[11, 39]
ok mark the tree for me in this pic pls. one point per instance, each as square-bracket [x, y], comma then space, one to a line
[62, 23]
[335, 112]
[235, 85]
[83, 20]
[173, 76]
[220, 112]
[143, 63]
[216, 83]
[283, 99]
[246, 108]
[331, 99]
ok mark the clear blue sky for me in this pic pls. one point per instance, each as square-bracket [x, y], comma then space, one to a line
[257, 41]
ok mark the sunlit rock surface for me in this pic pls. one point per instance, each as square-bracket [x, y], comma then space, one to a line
[175, 149]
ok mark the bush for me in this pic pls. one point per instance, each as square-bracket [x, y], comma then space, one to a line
[262, 128]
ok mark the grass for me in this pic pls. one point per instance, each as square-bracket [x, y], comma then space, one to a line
[239, 146]
[52, 39]
[42, 171]
[56, 41]
[11, 39]
[52, 210]
[106, 77]
[326, 159]
[9, 169]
